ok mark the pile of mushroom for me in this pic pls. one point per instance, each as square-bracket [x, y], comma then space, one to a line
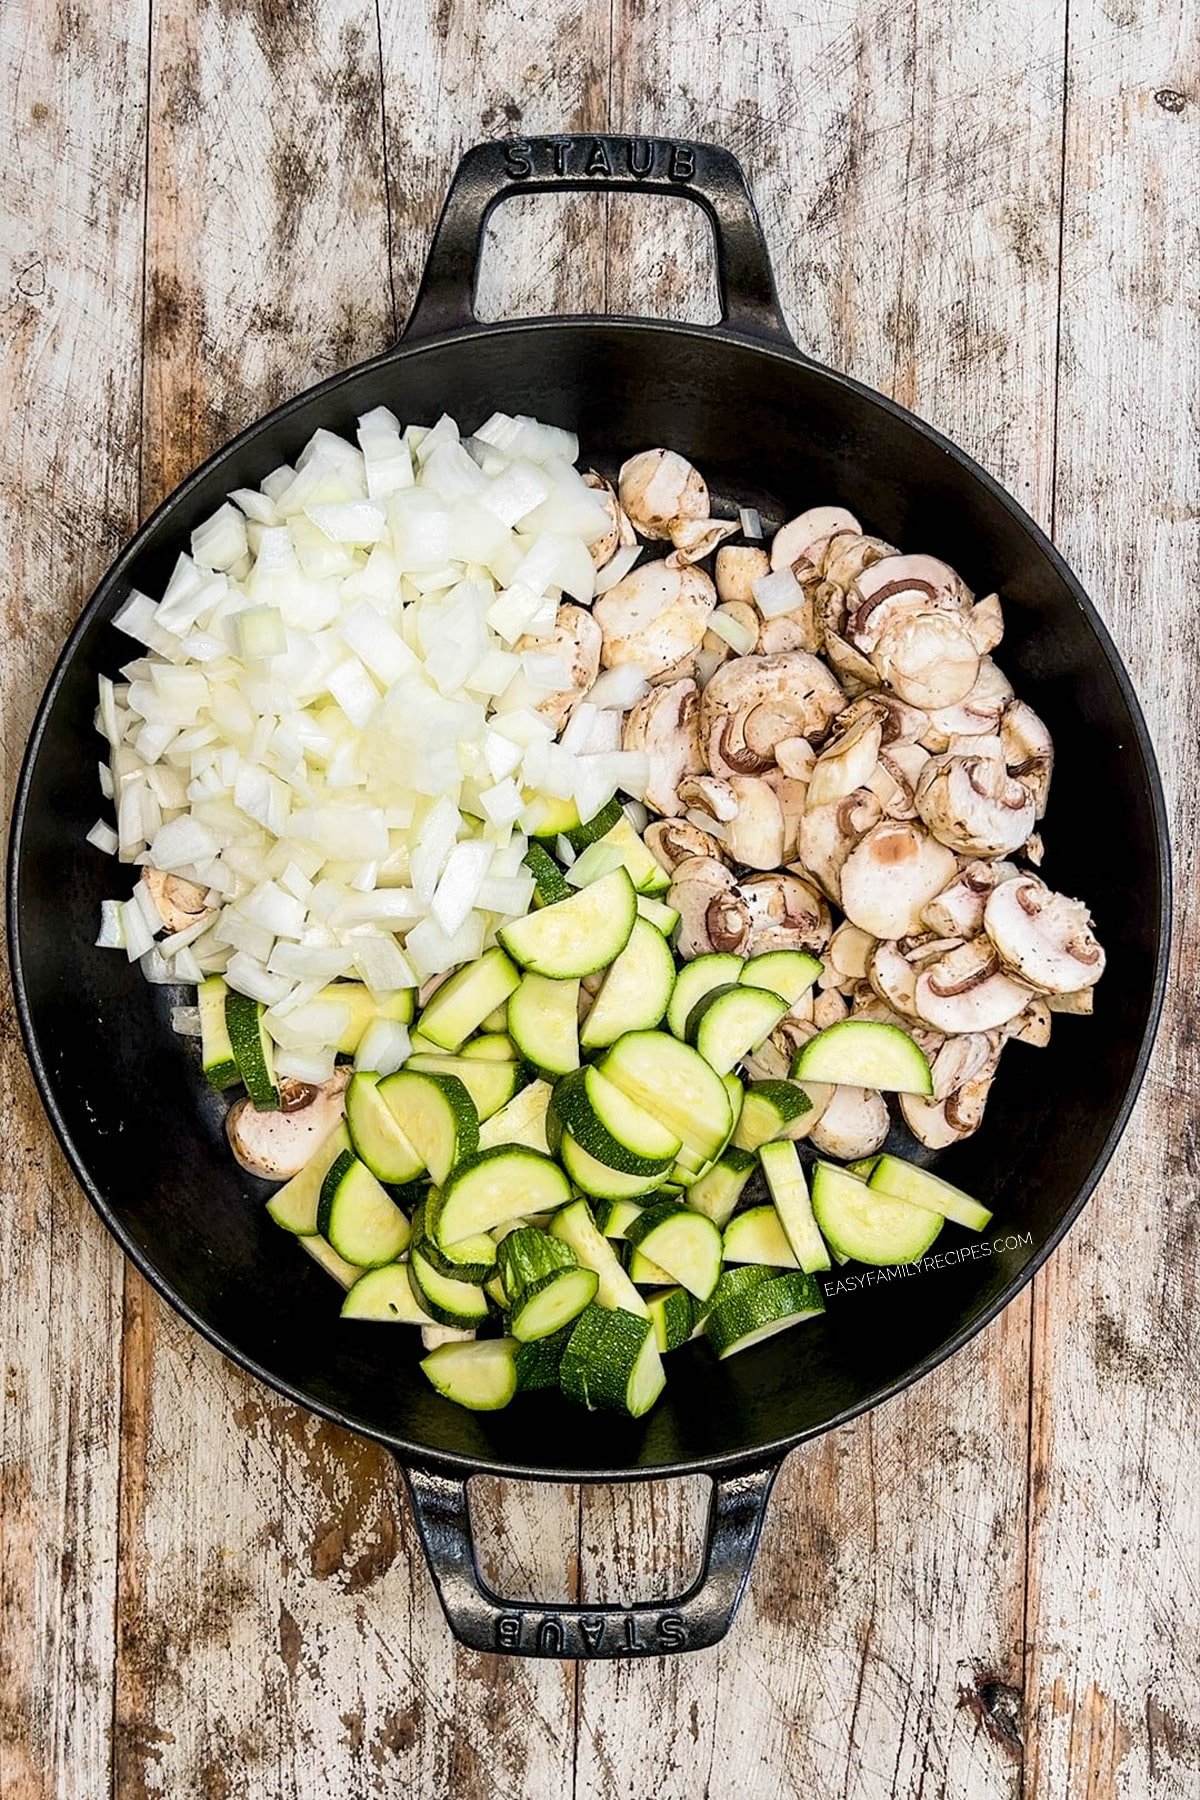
[838, 765]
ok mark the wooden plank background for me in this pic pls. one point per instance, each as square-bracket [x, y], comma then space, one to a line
[989, 1588]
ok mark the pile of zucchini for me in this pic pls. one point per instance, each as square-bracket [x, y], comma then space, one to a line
[554, 1189]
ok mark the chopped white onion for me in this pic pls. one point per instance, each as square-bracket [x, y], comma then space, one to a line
[617, 567]
[777, 593]
[751, 522]
[383, 1047]
[104, 838]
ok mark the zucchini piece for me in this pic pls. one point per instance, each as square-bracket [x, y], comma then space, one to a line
[728, 1023]
[858, 1053]
[598, 826]
[864, 1168]
[496, 1021]
[697, 978]
[551, 817]
[458, 1008]
[664, 918]
[577, 1229]
[494, 1187]
[522, 1121]
[611, 1127]
[344, 1273]
[593, 1177]
[768, 1307]
[549, 883]
[737, 1280]
[717, 1193]
[448, 1301]
[470, 1259]
[673, 1083]
[683, 1242]
[360, 1220]
[543, 1022]
[860, 1221]
[491, 1085]
[542, 1309]
[735, 1087]
[789, 1191]
[788, 973]
[634, 994]
[612, 1360]
[768, 1109]
[492, 1046]
[294, 1205]
[905, 1181]
[216, 1051]
[672, 1317]
[645, 871]
[253, 1050]
[386, 1295]
[365, 1007]
[482, 1376]
[538, 1361]
[436, 1114]
[614, 1217]
[756, 1236]
[376, 1135]
[578, 936]
[527, 1256]
[645, 1272]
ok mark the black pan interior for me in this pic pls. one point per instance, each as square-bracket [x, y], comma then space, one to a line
[767, 429]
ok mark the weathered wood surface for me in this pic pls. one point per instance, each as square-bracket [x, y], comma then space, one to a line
[990, 1587]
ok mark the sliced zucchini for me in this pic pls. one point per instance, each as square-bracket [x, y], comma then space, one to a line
[864, 1168]
[492, 1046]
[697, 978]
[471, 1258]
[737, 1280]
[735, 1087]
[294, 1205]
[645, 871]
[323, 1252]
[645, 1272]
[365, 1007]
[538, 1362]
[614, 1217]
[612, 1360]
[789, 1191]
[756, 1236]
[253, 1050]
[768, 1108]
[598, 826]
[578, 936]
[543, 1022]
[872, 1227]
[549, 883]
[376, 1135]
[634, 994]
[216, 1051]
[355, 1214]
[491, 1085]
[481, 1375]
[672, 1317]
[527, 1256]
[673, 1082]
[859, 1053]
[683, 1242]
[436, 1114]
[447, 1300]
[577, 1229]
[522, 1121]
[459, 1007]
[728, 1023]
[386, 1295]
[552, 817]
[788, 973]
[544, 1307]
[717, 1193]
[664, 918]
[611, 1127]
[767, 1307]
[905, 1181]
[591, 1176]
[494, 1187]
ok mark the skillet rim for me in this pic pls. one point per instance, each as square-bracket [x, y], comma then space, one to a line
[413, 1454]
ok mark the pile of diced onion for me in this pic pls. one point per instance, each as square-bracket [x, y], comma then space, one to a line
[333, 731]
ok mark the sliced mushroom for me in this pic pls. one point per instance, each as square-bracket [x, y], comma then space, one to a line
[754, 701]
[795, 630]
[575, 641]
[671, 841]
[1044, 937]
[620, 531]
[974, 805]
[900, 724]
[660, 489]
[796, 758]
[1033, 1025]
[1082, 1001]
[747, 818]
[277, 1144]
[850, 951]
[928, 658]
[713, 915]
[985, 623]
[800, 543]
[897, 588]
[978, 715]
[1033, 849]
[967, 990]
[786, 913]
[655, 615]
[848, 554]
[179, 904]
[792, 794]
[1028, 751]
[847, 762]
[855, 1123]
[894, 978]
[891, 875]
[737, 568]
[829, 833]
[972, 1056]
[958, 910]
[829, 1008]
[854, 669]
[694, 539]
[939, 1123]
[665, 726]
[895, 779]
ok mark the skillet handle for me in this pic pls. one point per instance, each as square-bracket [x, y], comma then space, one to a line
[704, 173]
[697, 1618]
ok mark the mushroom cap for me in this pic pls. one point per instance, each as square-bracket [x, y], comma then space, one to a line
[659, 488]
[179, 904]
[1043, 937]
[891, 875]
[672, 840]
[713, 915]
[928, 657]
[973, 804]
[746, 813]
[665, 726]
[654, 616]
[576, 640]
[967, 990]
[737, 568]
[620, 531]
[277, 1144]
[848, 554]
[855, 1123]
[786, 912]
[754, 701]
[798, 544]
[829, 833]
[1028, 751]
[897, 587]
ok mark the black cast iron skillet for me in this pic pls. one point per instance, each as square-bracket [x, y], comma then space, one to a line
[768, 427]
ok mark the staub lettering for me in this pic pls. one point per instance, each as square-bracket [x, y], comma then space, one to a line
[601, 158]
[555, 1634]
